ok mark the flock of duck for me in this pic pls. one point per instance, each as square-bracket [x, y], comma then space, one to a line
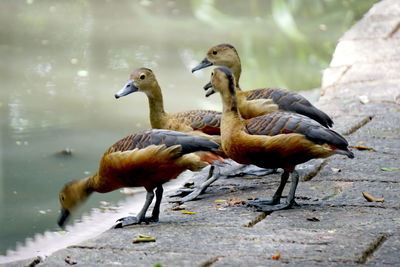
[269, 128]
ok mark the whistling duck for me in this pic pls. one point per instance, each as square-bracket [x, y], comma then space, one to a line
[149, 159]
[144, 80]
[205, 123]
[226, 55]
[277, 140]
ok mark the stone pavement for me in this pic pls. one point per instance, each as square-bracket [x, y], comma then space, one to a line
[334, 225]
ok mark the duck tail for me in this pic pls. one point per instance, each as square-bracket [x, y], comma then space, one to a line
[209, 157]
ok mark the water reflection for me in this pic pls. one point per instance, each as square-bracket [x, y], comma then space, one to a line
[63, 61]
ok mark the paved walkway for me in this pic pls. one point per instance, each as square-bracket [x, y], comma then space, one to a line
[334, 225]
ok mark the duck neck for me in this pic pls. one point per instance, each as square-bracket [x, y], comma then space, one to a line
[230, 109]
[236, 69]
[85, 187]
[158, 115]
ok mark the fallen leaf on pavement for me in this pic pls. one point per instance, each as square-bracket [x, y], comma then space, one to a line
[336, 170]
[143, 238]
[188, 212]
[276, 256]
[371, 198]
[70, 261]
[234, 202]
[313, 219]
[363, 148]
[389, 169]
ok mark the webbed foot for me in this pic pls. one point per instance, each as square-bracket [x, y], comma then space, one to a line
[262, 206]
[132, 220]
[182, 192]
[263, 202]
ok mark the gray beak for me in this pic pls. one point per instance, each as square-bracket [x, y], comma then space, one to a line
[126, 90]
[64, 214]
[203, 64]
[207, 86]
[210, 92]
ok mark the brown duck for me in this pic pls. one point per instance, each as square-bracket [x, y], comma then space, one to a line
[144, 80]
[277, 140]
[226, 55]
[149, 159]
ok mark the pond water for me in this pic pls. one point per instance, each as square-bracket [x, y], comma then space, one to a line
[62, 62]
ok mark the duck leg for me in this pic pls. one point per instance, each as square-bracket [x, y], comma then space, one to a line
[221, 170]
[156, 210]
[213, 175]
[131, 220]
[269, 205]
[276, 198]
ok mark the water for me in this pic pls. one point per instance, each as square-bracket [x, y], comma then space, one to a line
[62, 61]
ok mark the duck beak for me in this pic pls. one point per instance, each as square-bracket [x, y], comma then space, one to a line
[210, 92]
[64, 214]
[207, 86]
[126, 90]
[203, 64]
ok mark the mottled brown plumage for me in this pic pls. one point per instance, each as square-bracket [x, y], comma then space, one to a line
[147, 159]
[226, 55]
[277, 140]
[144, 80]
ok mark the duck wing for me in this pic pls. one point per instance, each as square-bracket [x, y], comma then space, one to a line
[293, 102]
[206, 121]
[286, 123]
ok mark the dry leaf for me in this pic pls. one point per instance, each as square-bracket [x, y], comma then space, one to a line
[70, 261]
[363, 148]
[336, 170]
[178, 207]
[234, 202]
[370, 198]
[363, 99]
[276, 256]
[143, 238]
[389, 169]
[313, 219]
[188, 212]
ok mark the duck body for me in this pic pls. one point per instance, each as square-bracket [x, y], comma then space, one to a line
[226, 55]
[149, 159]
[276, 140]
[296, 139]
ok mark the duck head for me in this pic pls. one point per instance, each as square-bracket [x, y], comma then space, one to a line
[220, 55]
[71, 196]
[141, 80]
[222, 81]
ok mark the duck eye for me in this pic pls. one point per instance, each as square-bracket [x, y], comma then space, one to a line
[142, 76]
[214, 52]
[212, 73]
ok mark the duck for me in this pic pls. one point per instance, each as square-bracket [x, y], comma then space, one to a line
[200, 122]
[204, 123]
[275, 140]
[149, 158]
[226, 55]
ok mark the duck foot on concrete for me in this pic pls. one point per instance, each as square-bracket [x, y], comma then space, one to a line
[132, 220]
[269, 205]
